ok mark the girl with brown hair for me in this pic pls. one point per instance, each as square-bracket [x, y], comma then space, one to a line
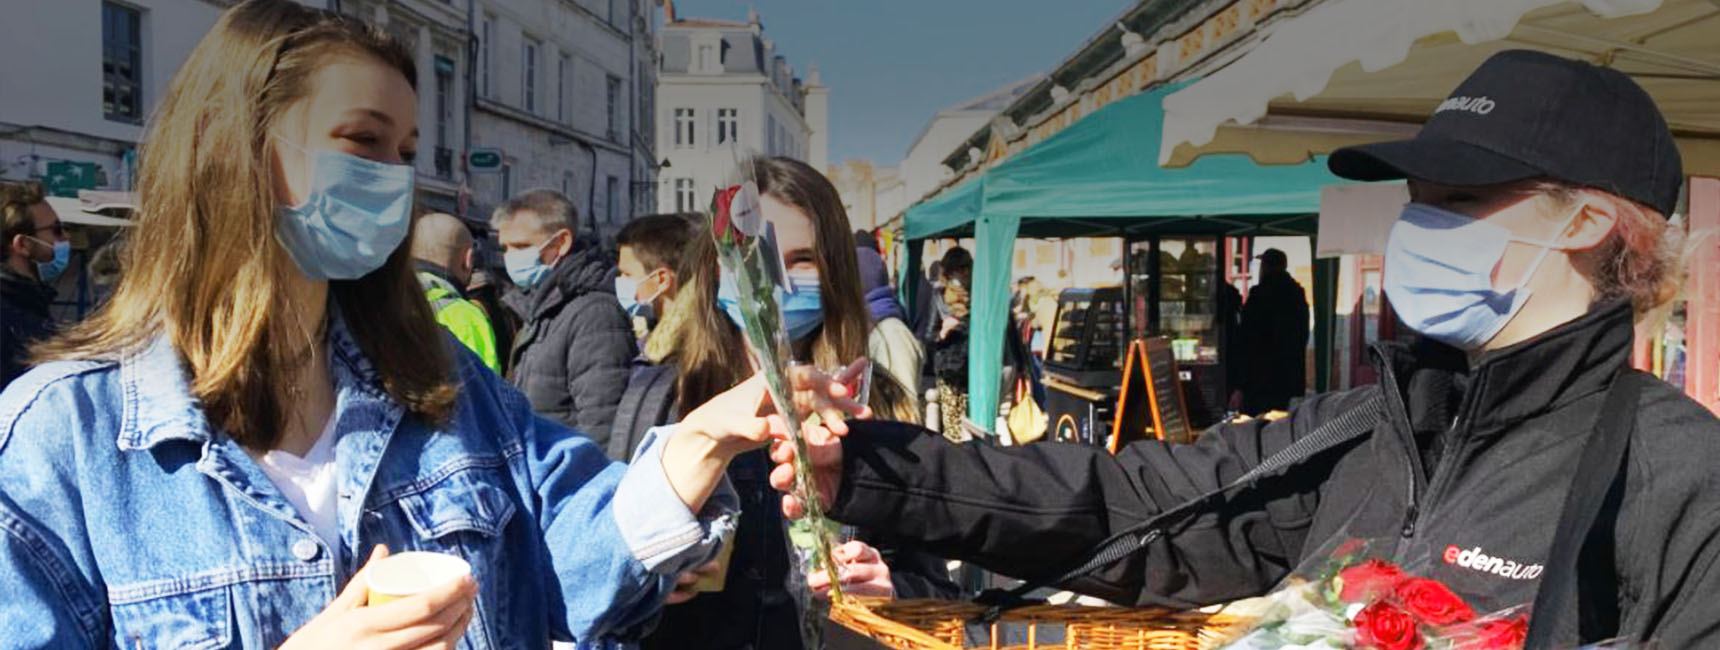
[207, 461]
[698, 347]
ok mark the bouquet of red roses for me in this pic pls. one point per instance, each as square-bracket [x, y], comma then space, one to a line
[1357, 602]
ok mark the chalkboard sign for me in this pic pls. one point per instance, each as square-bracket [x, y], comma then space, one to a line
[1150, 404]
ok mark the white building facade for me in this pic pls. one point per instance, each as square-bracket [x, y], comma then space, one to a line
[563, 92]
[923, 169]
[723, 89]
[79, 80]
[436, 30]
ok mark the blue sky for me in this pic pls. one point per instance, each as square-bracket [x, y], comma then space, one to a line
[893, 64]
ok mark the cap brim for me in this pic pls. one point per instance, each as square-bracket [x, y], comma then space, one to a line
[1447, 162]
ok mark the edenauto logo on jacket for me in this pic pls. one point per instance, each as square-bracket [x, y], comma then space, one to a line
[1474, 560]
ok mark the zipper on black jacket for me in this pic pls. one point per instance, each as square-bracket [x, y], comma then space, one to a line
[1396, 404]
[1448, 459]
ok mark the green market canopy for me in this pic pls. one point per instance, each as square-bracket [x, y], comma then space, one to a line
[1101, 177]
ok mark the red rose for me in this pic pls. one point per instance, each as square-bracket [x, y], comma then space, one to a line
[1432, 603]
[1383, 626]
[720, 224]
[1369, 580]
[1503, 634]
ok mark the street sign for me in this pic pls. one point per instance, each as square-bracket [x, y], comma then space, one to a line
[484, 160]
[66, 177]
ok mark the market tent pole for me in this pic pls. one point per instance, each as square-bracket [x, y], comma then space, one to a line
[908, 282]
[994, 243]
[1325, 320]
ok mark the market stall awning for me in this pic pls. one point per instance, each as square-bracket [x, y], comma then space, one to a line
[946, 212]
[95, 208]
[1351, 71]
[1101, 176]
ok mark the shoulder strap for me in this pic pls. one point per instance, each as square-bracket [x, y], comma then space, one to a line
[1349, 425]
[646, 403]
[1564, 606]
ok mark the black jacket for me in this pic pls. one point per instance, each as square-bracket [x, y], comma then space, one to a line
[24, 319]
[571, 355]
[1274, 341]
[1461, 462]
[755, 610]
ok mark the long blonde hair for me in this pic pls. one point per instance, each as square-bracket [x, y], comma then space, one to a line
[711, 354]
[202, 265]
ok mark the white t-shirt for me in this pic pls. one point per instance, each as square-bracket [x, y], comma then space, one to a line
[309, 483]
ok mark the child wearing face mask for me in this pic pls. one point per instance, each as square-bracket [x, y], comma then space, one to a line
[1514, 429]
[266, 407]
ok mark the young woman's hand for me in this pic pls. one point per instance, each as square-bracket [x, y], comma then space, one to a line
[435, 619]
[684, 585]
[830, 397]
[744, 417]
[860, 568]
[825, 448]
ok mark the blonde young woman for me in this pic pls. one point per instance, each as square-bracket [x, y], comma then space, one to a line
[210, 461]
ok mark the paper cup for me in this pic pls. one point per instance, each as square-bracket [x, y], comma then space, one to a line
[404, 574]
[715, 582]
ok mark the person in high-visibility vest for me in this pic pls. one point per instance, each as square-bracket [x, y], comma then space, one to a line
[443, 249]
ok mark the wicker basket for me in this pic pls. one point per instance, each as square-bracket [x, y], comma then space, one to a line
[941, 625]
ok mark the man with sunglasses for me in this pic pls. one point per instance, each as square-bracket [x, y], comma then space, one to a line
[36, 253]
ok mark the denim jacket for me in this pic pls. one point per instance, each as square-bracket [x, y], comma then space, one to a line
[128, 521]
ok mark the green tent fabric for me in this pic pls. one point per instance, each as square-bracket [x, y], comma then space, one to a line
[945, 212]
[1100, 176]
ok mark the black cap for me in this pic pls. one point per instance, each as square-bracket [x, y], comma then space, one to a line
[1527, 114]
[1273, 257]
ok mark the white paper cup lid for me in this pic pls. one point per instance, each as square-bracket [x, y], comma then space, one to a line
[404, 574]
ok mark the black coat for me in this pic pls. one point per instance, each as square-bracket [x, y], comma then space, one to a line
[24, 319]
[1274, 341]
[1460, 462]
[755, 610]
[572, 352]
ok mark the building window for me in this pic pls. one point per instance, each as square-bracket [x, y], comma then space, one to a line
[770, 134]
[612, 12]
[684, 128]
[561, 84]
[684, 200]
[529, 66]
[122, 62]
[486, 61]
[707, 58]
[728, 125]
[444, 157]
[614, 99]
[613, 188]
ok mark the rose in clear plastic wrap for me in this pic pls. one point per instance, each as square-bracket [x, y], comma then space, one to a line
[1384, 626]
[1433, 603]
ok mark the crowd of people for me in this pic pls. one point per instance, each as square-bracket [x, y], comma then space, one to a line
[300, 374]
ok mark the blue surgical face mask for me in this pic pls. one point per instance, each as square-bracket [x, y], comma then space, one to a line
[50, 270]
[525, 266]
[627, 291]
[802, 311]
[356, 213]
[1439, 274]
